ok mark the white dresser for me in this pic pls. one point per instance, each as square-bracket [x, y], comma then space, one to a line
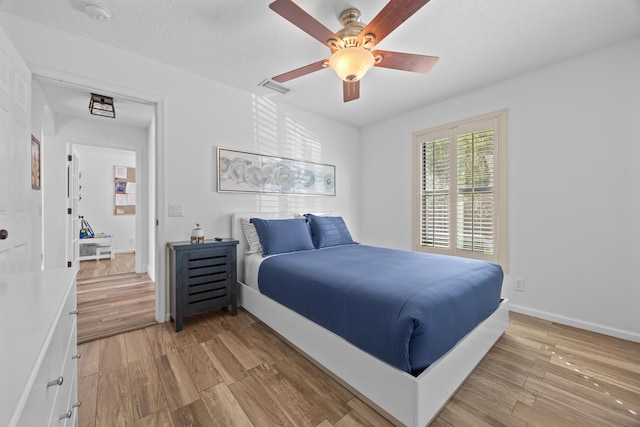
[38, 349]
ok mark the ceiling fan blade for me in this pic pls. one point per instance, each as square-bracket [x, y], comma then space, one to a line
[299, 72]
[390, 17]
[405, 61]
[350, 90]
[301, 19]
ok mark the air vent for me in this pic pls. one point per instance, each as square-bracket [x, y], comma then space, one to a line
[270, 84]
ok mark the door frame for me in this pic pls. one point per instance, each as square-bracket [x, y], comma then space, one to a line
[157, 211]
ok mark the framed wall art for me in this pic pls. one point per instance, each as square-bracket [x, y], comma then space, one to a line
[35, 164]
[239, 171]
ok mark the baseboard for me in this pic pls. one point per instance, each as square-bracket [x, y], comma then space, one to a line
[588, 326]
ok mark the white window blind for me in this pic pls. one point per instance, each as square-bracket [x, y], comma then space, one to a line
[461, 195]
[435, 218]
[475, 192]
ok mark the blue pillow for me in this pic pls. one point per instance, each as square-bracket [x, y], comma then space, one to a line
[283, 235]
[328, 231]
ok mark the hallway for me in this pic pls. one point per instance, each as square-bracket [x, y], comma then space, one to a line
[112, 298]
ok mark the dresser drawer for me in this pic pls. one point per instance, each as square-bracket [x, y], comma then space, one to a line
[38, 407]
[66, 412]
[51, 377]
[74, 403]
[69, 370]
[60, 341]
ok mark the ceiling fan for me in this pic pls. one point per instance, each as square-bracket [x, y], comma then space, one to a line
[351, 55]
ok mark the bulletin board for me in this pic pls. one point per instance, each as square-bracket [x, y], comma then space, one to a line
[125, 190]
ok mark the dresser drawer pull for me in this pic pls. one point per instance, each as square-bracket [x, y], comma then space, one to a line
[58, 381]
[67, 414]
[77, 356]
[71, 313]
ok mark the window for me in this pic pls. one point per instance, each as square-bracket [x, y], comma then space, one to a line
[460, 205]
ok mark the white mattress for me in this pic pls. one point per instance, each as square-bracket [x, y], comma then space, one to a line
[251, 268]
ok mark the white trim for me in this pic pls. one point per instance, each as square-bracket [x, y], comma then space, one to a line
[162, 314]
[576, 323]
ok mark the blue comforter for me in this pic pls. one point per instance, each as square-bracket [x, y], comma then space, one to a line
[405, 308]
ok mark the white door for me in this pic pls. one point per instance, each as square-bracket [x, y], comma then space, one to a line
[73, 197]
[19, 248]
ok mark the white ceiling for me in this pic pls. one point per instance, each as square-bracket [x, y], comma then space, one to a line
[242, 42]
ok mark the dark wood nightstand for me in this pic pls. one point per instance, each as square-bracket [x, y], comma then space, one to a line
[202, 277]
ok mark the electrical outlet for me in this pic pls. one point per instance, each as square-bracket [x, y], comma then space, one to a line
[518, 284]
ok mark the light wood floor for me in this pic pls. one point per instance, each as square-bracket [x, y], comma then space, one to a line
[122, 263]
[112, 298]
[224, 370]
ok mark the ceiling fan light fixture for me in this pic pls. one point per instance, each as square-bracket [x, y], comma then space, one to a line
[351, 63]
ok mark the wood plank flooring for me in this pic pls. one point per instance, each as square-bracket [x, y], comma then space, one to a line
[224, 370]
[122, 263]
[112, 299]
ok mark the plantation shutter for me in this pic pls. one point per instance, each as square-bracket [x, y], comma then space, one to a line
[460, 189]
[475, 195]
[435, 215]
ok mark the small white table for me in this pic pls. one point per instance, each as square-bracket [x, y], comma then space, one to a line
[102, 246]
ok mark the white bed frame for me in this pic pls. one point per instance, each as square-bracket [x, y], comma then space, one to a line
[412, 401]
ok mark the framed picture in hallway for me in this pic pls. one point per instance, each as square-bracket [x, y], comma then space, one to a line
[35, 164]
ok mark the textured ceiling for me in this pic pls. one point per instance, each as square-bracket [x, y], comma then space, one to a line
[242, 42]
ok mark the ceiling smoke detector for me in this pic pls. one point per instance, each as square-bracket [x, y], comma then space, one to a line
[96, 12]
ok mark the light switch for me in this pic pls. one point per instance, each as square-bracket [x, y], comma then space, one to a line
[176, 210]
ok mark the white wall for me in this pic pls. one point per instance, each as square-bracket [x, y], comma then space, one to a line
[90, 131]
[574, 202]
[94, 131]
[198, 116]
[97, 204]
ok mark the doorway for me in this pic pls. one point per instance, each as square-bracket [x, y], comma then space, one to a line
[75, 127]
[113, 296]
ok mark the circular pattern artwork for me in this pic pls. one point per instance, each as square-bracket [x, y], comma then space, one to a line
[239, 171]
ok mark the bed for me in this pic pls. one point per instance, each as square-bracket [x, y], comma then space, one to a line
[410, 390]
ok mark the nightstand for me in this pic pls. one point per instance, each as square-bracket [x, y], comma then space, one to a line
[202, 277]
